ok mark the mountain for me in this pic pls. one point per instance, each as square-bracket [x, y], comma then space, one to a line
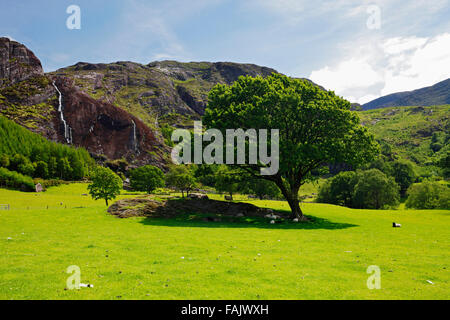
[437, 94]
[51, 105]
[160, 92]
[115, 110]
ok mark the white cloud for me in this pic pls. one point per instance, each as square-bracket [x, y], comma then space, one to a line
[380, 68]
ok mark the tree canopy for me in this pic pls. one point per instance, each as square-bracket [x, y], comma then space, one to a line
[105, 184]
[146, 178]
[316, 127]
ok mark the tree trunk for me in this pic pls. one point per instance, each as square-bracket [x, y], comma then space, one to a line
[231, 196]
[292, 199]
[106, 200]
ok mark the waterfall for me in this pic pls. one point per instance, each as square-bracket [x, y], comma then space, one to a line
[67, 128]
[134, 143]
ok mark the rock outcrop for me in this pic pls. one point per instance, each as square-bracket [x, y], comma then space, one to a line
[169, 208]
[17, 62]
[102, 128]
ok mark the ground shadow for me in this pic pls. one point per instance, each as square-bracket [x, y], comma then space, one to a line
[207, 221]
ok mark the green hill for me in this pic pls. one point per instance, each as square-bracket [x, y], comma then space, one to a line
[413, 133]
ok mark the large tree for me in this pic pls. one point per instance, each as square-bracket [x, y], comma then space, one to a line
[316, 127]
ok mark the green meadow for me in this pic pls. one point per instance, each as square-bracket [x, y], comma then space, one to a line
[187, 258]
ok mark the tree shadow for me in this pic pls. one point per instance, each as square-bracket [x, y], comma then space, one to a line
[194, 220]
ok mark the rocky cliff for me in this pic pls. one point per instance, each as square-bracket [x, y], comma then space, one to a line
[163, 92]
[54, 107]
[17, 62]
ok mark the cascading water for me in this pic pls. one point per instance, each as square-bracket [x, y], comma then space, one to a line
[67, 128]
[134, 143]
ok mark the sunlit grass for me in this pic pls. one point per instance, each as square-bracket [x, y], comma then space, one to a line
[140, 258]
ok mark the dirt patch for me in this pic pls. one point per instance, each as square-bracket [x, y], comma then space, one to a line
[172, 207]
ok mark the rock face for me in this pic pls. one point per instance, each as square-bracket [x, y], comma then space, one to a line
[32, 99]
[102, 128]
[172, 207]
[164, 92]
[17, 62]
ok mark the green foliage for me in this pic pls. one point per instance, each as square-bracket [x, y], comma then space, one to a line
[339, 189]
[227, 180]
[316, 126]
[260, 188]
[105, 184]
[369, 189]
[428, 195]
[118, 165]
[411, 133]
[24, 152]
[14, 180]
[404, 174]
[181, 178]
[146, 178]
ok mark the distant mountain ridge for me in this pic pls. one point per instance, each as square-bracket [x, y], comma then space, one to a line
[438, 94]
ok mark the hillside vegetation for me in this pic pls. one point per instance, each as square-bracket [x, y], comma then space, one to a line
[32, 155]
[418, 134]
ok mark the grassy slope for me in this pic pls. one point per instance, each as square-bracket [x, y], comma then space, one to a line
[408, 130]
[324, 260]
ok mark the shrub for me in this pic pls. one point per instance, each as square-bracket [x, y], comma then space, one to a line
[146, 178]
[404, 174]
[339, 190]
[370, 189]
[15, 180]
[428, 195]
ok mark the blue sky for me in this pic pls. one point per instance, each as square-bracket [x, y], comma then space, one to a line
[334, 43]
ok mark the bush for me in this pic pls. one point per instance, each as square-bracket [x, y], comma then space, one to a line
[15, 180]
[404, 174]
[428, 195]
[370, 189]
[339, 190]
[146, 178]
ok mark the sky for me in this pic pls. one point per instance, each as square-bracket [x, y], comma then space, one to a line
[359, 49]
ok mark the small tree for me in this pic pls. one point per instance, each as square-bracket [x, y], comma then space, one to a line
[181, 178]
[404, 175]
[227, 180]
[339, 189]
[375, 190]
[428, 195]
[146, 178]
[105, 184]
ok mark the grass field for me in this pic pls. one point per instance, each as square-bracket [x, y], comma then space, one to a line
[140, 258]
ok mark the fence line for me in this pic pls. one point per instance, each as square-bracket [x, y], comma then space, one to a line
[4, 207]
